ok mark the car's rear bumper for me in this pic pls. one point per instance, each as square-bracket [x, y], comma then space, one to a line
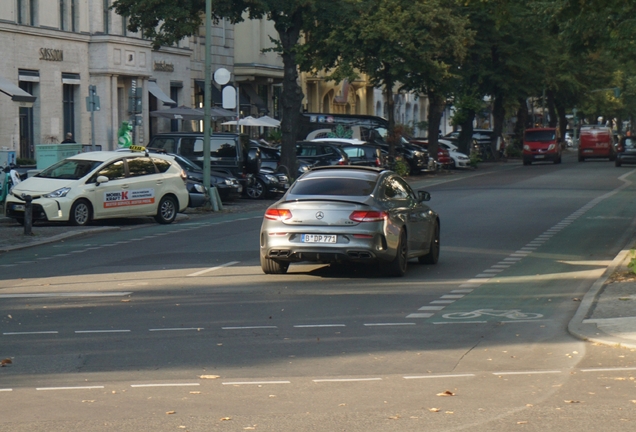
[540, 157]
[626, 158]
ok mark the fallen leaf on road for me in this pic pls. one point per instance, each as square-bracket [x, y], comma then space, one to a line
[529, 405]
[88, 401]
[125, 300]
[5, 362]
[395, 417]
[226, 418]
[571, 401]
[209, 376]
[195, 392]
[434, 409]
[272, 396]
[576, 299]
[171, 412]
[522, 422]
[10, 317]
[249, 428]
[446, 393]
[633, 401]
[342, 405]
[449, 412]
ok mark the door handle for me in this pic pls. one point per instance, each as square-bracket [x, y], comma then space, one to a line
[125, 186]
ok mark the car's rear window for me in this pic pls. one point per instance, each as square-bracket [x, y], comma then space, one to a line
[333, 186]
[534, 136]
[630, 143]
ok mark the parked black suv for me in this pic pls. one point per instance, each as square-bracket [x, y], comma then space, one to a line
[229, 152]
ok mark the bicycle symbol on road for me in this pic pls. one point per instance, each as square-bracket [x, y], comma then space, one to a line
[513, 314]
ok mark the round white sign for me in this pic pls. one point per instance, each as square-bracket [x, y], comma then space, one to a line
[222, 76]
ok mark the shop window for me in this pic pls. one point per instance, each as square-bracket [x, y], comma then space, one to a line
[68, 91]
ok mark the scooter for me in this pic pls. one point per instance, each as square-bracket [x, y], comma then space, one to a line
[9, 177]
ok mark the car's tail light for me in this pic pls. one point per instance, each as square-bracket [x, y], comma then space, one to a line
[367, 216]
[377, 162]
[278, 214]
[620, 148]
[342, 162]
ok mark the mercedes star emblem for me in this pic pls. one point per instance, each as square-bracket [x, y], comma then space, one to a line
[320, 215]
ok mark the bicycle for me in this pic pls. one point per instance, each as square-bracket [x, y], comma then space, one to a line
[513, 314]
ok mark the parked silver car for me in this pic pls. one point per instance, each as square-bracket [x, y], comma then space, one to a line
[350, 213]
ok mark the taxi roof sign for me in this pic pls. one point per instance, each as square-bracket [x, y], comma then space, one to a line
[137, 148]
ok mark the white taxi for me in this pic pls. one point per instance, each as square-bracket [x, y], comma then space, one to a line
[101, 185]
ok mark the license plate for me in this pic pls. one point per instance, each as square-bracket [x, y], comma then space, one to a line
[588, 151]
[318, 238]
[286, 185]
[539, 156]
[240, 189]
[18, 207]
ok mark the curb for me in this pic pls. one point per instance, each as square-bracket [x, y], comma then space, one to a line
[58, 237]
[590, 332]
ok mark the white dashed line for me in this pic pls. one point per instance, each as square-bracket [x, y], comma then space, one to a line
[387, 324]
[431, 308]
[512, 259]
[29, 333]
[6, 390]
[462, 322]
[470, 285]
[176, 329]
[318, 325]
[231, 263]
[69, 294]
[165, 385]
[443, 301]
[493, 271]
[452, 296]
[527, 373]
[609, 369]
[420, 315]
[483, 275]
[255, 382]
[462, 291]
[438, 376]
[346, 380]
[249, 327]
[69, 388]
[101, 331]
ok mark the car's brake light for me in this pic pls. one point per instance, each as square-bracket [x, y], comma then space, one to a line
[278, 214]
[620, 148]
[367, 216]
[377, 162]
[342, 162]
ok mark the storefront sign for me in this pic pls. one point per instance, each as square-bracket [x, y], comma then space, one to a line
[51, 54]
[162, 66]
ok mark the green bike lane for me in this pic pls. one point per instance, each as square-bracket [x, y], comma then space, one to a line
[545, 279]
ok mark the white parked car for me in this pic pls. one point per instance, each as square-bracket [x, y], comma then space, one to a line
[460, 160]
[101, 185]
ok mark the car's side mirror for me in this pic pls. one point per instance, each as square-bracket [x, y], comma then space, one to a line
[100, 180]
[423, 196]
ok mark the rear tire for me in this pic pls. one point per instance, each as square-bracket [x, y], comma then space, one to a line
[397, 267]
[432, 257]
[269, 266]
[167, 210]
[581, 159]
[258, 190]
[81, 213]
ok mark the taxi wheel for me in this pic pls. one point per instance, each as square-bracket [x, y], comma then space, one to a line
[81, 213]
[167, 210]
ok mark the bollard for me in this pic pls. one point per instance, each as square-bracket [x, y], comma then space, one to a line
[28, 214]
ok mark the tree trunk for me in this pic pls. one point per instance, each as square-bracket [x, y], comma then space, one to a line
[551, 109]
[436, 108]
[390, 107]
[291, 98]
[522, 121]
[499, 116]
[465, 140]
[563, 121]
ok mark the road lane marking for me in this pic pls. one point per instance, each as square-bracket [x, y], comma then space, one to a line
[442, 301]
[483, 275]
[438, 376]
[165, 385]
[319, 325]
[176, 329]
[346, 380]
[69, 294]
[102, 331]
[255, 382]
[496, 270]
[420, 315]
[470, 285]
[462, 322]
[432, 308]
[6, 390]
[231, 263]
[462, 291]
[69, 388]
[527, 373]
[29, 333]
[452, 296]
[249, 327]
[609, 369]
[388, 324]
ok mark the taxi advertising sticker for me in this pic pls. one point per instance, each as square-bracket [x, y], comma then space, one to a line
[129, 198]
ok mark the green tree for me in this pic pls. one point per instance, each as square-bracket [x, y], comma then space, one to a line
[395, 43]
[168, 21]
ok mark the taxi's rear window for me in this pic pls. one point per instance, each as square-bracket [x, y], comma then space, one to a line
[333, 186]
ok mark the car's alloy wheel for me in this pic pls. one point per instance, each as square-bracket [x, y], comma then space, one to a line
[433, 250]
[167, 210]
[256, 190]
[271, 266]
[397, 267]
[80, 213]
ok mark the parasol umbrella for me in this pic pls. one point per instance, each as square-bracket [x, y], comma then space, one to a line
[250, 121]
[272, 121]
[187, 113]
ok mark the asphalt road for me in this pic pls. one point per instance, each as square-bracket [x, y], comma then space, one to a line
[165, 328]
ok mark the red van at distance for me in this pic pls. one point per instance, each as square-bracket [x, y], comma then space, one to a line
[596, 142]
[541, 145]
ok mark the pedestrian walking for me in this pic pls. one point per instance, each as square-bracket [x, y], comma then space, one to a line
[69, 139]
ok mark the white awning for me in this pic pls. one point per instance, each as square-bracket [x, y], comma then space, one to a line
[15, 92]
[159, 94]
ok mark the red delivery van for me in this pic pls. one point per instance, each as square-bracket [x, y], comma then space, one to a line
[596, 142]
[542, 144]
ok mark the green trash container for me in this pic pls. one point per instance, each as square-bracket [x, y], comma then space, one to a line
[48, 154]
